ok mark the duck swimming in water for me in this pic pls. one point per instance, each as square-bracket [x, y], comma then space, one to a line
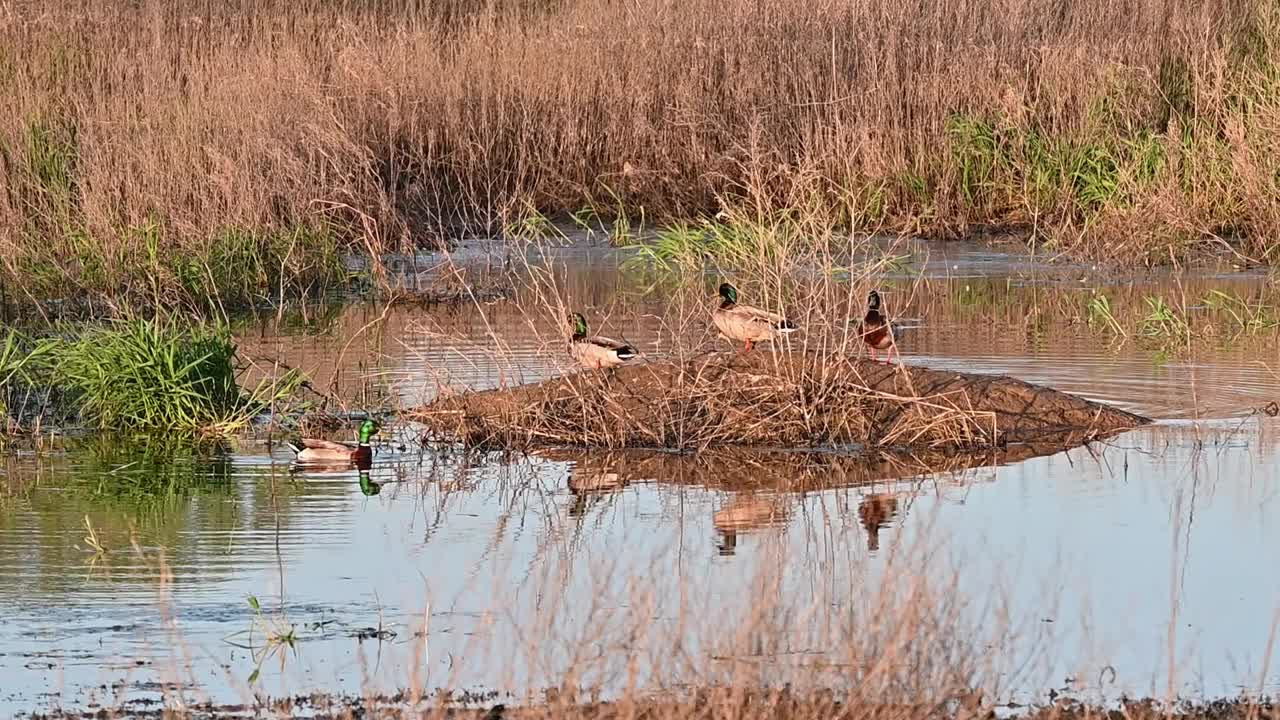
[314, 451]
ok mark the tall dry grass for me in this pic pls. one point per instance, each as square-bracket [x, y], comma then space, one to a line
[180, 145]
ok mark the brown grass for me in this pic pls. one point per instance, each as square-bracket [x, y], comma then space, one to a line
[392, 123]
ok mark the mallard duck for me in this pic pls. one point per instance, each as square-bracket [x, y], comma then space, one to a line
[748, 324]
[596, 352]
[310, 450]
[875, 331]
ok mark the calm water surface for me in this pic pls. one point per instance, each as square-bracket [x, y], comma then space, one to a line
[1107, 567]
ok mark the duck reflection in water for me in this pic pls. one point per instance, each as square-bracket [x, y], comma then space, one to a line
[727, 545]
[590, 479]
[338, 467]
[746, 513]
[368, 487]
[876, 511]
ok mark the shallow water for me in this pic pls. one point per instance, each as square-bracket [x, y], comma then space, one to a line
[1104, 566]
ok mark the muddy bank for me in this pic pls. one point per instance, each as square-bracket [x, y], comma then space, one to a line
[709, 704]
[770, 399]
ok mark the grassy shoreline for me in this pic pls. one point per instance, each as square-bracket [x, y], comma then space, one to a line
[179, 151]
[168, 376]
[715, 703]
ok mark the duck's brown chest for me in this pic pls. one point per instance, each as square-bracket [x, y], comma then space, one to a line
[876, 334]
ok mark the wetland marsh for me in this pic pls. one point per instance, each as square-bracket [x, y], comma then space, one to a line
[227, 225]
[1133, 566]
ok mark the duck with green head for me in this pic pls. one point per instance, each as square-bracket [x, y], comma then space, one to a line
[596, 351]
[310, 450]
[876, 331]
[746, 324]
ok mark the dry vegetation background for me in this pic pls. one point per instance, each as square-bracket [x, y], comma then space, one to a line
[194, 146]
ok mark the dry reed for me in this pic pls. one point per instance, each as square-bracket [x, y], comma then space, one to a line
[257, 138]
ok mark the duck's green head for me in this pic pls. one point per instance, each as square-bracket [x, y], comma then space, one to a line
[729, 293]
[579, 326]
[873, 300]
[367, 430]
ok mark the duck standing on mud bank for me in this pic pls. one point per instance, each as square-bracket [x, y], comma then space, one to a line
[596, 351]
[747, 324]
[876, 331]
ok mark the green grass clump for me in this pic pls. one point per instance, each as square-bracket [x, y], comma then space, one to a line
[735, 243]
[277, 633]
[1163, 320]
[243, 267]
[158, 375]
[140, 268]
[676, 245]
[15, 358]
[1101, 316]
[1015, 172]
[1243, 316]
[530, 225]
[19, 357]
